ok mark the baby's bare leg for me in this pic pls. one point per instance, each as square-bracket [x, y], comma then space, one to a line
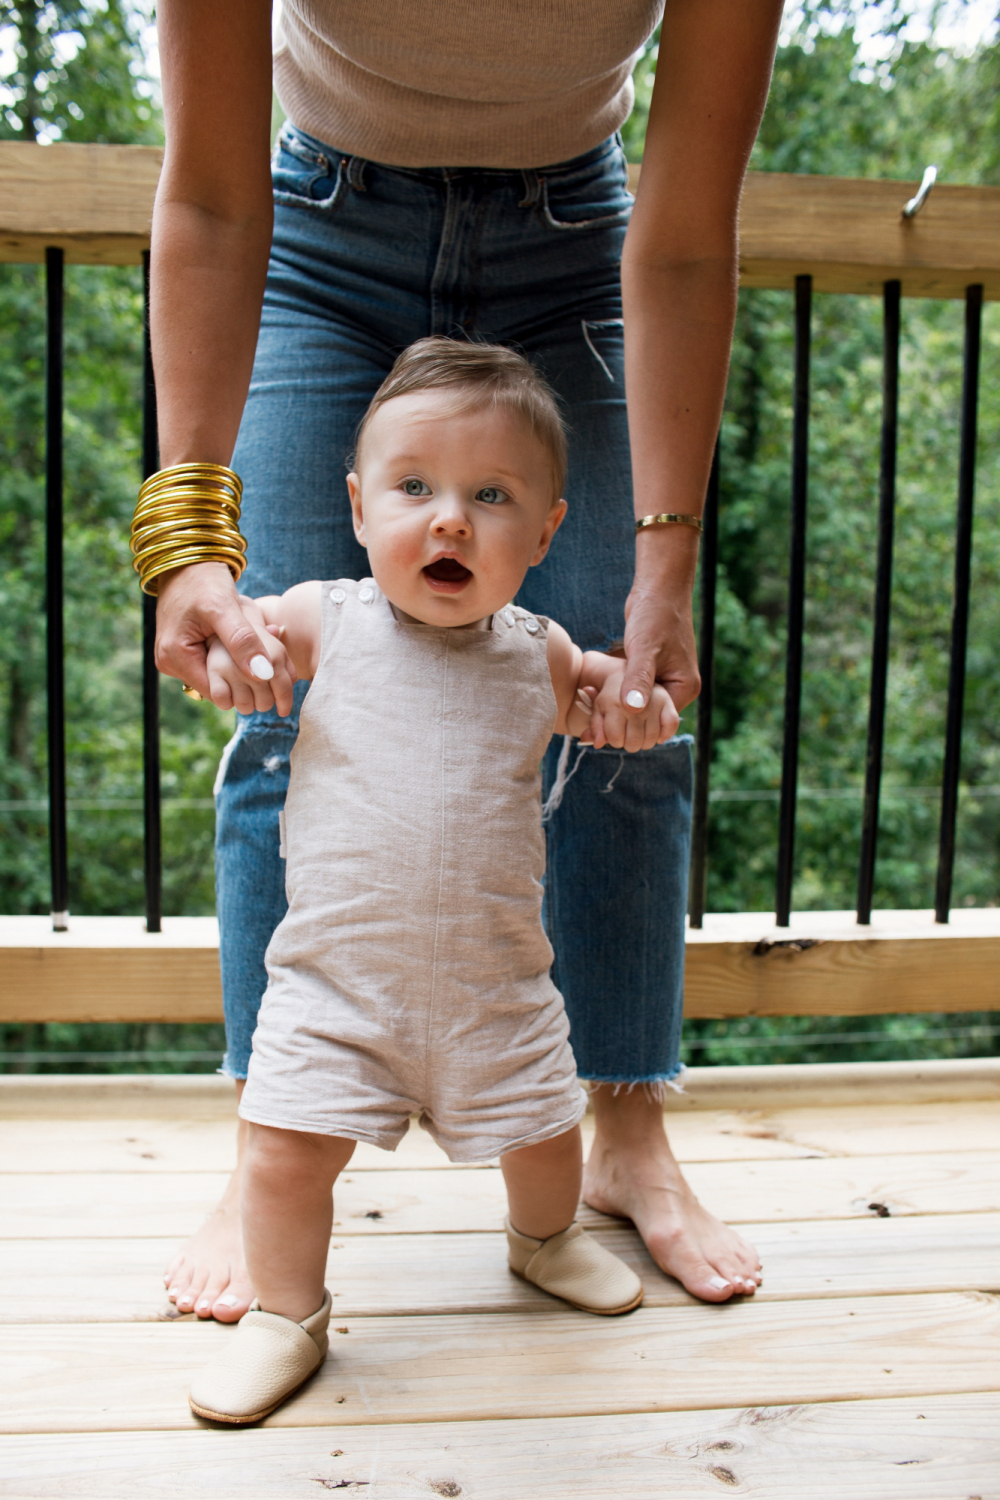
[543, 1184]
[287, 1215]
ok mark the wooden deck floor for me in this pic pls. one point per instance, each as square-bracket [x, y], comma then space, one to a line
[867, 1367]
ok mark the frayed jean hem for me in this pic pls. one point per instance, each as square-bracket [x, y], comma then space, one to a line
[655, 1086]
[225, 1071]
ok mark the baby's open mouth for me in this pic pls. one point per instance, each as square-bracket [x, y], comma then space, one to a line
[448, 570]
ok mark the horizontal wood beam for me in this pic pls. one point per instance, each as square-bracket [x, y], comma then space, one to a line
[850, 235]
[111, 969]
[847, 233]
[95, 202]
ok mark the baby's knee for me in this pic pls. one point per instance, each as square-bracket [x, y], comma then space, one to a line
[289, 1155]
[558, 1150]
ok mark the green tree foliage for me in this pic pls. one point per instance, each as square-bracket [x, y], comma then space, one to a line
[79, 75]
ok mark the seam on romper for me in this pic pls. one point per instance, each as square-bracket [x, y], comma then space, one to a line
[437, 914]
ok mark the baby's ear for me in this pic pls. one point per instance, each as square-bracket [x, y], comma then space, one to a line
[354, 491]
[553, 521]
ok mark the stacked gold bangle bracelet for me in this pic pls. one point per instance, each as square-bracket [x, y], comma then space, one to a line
[669, 519]
[187, 514]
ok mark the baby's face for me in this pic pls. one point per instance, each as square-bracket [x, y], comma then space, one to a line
[453, 507]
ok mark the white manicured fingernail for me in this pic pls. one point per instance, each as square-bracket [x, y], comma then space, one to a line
[228, 1300]
[718, 1282]
[635, 699]
[261, 667]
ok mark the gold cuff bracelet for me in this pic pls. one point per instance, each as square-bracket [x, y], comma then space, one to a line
[668, 519]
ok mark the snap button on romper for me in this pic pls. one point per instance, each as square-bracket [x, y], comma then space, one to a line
[411, 972]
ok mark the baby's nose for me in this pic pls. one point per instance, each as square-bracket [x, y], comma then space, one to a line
[451, 523]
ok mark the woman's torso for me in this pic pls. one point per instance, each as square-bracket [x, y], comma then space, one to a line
[523, 84]
[412, 827]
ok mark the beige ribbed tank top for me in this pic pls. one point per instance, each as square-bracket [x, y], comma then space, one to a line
[451, 83]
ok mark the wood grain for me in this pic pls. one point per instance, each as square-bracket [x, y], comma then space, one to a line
[849, 234]
[94, 201]
[102, 1281]
[201, 1096]
[417, 1201]
[825, 964]
[157, 1145]
[929, 1448]
[111, 969]
[134, 1376]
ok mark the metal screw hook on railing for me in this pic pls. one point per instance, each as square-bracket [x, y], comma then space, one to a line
[916, 203]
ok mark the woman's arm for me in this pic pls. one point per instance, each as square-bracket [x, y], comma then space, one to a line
[211, 237]
[679, 283]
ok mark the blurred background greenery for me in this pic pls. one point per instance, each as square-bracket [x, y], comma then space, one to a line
[859, 90]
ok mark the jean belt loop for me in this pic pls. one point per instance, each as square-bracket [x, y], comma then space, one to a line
[356, 173]
[532, 189]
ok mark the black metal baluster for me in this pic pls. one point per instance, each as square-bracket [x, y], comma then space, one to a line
[883, 598]
[960, 607]
[796, 602]
[150, 676]
[706, 666]
[56, 685]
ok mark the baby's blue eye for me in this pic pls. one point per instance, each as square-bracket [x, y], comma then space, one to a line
[415, 487]
[490, 495]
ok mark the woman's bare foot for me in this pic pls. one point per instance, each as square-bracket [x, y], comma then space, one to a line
[632, 1173]
[208, 1275]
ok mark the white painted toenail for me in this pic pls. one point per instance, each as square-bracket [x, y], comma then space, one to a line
[718, 1282]
[204, 1304]
[228, 1300]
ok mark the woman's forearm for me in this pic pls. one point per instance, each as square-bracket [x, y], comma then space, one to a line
[678, 332]
[207, 285]
[679, 282]
[211, 221]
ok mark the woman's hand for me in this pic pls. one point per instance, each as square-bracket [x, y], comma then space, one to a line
[659, 631]
[201, 602]
[660, 648]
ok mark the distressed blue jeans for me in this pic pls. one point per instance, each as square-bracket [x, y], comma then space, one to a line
[365, 259]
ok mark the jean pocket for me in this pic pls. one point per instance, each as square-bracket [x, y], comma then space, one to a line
[303, 177]
[605, 339]
[596, 197]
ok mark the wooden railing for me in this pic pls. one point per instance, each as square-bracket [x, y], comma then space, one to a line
[92, 204]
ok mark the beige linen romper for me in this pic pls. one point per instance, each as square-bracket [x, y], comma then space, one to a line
[411, 973]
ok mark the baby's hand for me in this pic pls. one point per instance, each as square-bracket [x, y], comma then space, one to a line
[611, 725]
[228, 687]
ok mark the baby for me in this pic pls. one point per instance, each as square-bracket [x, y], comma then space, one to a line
[411, 973]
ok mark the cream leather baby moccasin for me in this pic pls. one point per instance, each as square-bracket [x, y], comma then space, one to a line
[265, 1360]
[573, 1266]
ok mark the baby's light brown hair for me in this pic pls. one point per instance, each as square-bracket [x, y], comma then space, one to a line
[480, 375]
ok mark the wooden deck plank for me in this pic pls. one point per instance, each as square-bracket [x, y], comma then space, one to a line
[158, 1145]
[127, 1205]
[134, 1376]
[101, 1281]
[931, 1448]
[868, 1129]
[206, 1096]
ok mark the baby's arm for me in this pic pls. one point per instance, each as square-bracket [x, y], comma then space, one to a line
[588, 688]
[294, 617]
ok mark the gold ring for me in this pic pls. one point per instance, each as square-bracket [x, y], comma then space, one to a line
[191, 693]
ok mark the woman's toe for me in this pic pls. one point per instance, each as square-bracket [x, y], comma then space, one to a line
[190, 1295]
[230, 1305]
